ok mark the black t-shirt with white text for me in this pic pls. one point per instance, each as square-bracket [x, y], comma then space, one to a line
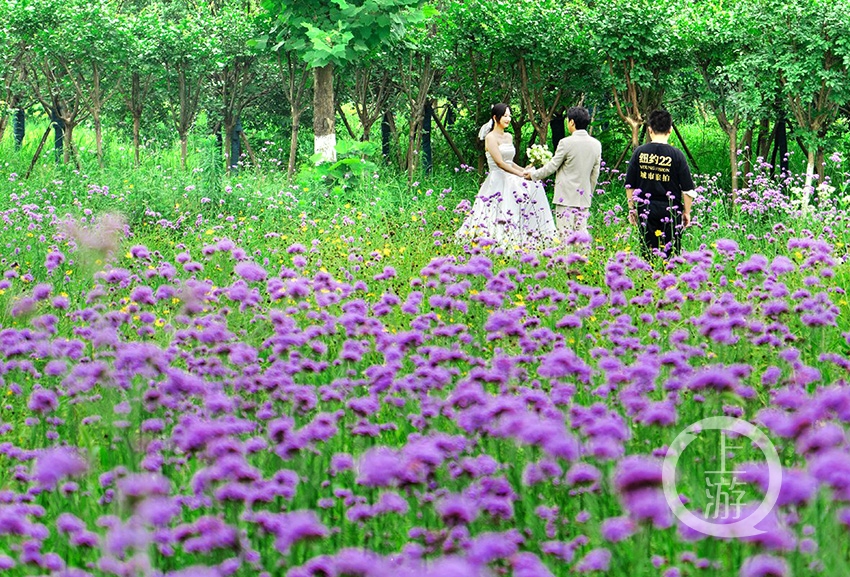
[656, 169]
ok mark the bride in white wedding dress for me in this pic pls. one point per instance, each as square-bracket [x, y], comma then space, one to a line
[508, 209]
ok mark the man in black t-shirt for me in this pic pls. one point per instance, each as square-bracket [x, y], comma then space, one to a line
[659, 189]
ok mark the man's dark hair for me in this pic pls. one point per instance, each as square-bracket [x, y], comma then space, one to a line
[660, 121]
[580, 116]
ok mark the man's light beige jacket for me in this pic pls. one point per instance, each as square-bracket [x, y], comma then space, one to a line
[576, 161]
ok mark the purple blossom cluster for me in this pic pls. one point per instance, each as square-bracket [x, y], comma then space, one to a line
[205, 410]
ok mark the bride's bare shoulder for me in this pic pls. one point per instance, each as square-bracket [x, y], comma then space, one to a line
[499, 140]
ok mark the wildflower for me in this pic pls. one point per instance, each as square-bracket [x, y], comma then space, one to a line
[68, 523]
[250, 271]
[765, 566]
[584, 475]
[51, 465]
[298, 526]
[528, 565]
[616, 529]
[42, 401]
[595, 560]
[158, 511]
[379, 467]
[457, 510]
[143, 485]
[729, 247]
[563, 362]
[638, 481]
[41, 291]
[488, 547]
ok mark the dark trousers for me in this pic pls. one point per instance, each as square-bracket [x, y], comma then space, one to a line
[661, 228]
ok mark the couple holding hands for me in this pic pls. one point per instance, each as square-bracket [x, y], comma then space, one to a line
[511, 207]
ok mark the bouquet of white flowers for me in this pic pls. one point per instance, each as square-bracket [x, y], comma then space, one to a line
[538, 155]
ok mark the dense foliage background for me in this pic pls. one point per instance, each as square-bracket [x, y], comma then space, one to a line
[404, 73]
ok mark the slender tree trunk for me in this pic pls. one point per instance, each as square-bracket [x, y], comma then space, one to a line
[635, 126]
[780, 147]
[782, 144]
[427, 159]
[19, 128]
[293, 141]
[385, 136]
[3, 122]
[228, 126]
[137, 123]
[448, 138]
[69, 142]
[747, 147]
[810, 170]
[451, 116]
[235, 147]
[37, 152]
[732, 131]
[819, 162]
[98, 135]
[345, 122]
[559, 130]
[324, 140]
[58, 137]
[184, 147]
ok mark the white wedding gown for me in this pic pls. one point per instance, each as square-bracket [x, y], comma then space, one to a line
[509, 210]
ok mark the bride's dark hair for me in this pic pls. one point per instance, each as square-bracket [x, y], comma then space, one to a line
[498, 111]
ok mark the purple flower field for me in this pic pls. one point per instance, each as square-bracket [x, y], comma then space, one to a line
[276, 394]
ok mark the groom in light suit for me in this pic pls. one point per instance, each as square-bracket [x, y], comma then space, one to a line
[576, 161]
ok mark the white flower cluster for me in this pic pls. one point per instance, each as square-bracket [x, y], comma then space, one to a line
[538, 155]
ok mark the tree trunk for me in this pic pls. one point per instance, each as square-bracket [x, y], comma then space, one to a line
[448, 138]
[747, 148]
[227, 125]
[19, 127]
[293, 141]
[184, 146]
[324, 139]
[37, 152]
[810, 170]
[137, 123]
[385, 136]
[235, 146]
[732, 131]
[559, 130]
[781, 146]
[427, 159]
[819, 164]
[58, 137]
[635, 126]
[451, 116]
[69, 142]
[98, 135]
